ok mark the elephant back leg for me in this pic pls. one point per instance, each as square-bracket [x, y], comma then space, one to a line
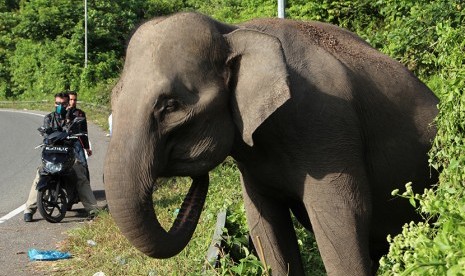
[270, 222]
[339, 207]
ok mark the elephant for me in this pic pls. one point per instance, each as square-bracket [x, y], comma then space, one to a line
[321, 125]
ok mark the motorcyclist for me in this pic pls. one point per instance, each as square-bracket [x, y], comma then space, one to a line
[82, 144]
[56, 120]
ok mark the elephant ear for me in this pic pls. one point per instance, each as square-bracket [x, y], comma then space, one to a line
[258, 78]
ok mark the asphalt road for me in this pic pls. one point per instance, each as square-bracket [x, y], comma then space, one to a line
[18, 163]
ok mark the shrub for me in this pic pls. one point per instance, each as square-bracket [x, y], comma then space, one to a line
[422, 249]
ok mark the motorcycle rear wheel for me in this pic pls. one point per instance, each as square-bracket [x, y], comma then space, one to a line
[52, 205]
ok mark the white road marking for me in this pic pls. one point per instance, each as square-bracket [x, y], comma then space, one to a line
[22, 207]
[13, 213]
[24, 112]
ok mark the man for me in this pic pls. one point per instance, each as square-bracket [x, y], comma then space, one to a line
[57, 120]
[81, 128]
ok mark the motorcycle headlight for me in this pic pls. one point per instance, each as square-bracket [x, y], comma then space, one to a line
[53, 167]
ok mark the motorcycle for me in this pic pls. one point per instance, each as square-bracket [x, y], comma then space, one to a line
[57, 191]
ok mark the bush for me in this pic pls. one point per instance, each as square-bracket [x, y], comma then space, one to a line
[422, 249]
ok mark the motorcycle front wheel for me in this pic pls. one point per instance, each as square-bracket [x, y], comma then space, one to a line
[52, 204]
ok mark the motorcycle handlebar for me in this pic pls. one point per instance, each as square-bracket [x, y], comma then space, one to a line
[69, 137]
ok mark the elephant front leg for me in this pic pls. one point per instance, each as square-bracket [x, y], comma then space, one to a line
[340, 209]
[270, 222]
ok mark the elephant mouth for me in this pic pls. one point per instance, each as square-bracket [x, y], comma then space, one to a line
[187, 167]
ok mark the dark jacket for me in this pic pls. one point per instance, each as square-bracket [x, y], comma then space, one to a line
[78, 128]
[54, 121]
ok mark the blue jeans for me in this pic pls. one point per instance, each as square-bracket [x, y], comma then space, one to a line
[81, 157]
[79, 152]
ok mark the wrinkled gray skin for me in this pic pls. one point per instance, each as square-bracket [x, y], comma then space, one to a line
[321, 125]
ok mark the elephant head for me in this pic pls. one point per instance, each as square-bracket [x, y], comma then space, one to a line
[189, 86]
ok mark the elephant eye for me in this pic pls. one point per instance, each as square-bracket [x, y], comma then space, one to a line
[171, 105]
[165, 106]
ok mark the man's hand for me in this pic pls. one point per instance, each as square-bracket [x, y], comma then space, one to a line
[89, 152]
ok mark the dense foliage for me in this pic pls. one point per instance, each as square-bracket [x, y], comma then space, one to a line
[429, 37]
[42, 51]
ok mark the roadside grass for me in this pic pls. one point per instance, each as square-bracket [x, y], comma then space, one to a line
[100, 247]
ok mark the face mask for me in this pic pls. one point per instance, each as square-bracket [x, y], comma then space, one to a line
[60, 109]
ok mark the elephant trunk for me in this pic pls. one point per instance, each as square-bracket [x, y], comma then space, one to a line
[131, 206]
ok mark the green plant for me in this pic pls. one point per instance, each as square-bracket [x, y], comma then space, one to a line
[437, 248]
[238, 256]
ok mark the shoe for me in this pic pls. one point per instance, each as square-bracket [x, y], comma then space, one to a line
[27, 217]
[92, 214]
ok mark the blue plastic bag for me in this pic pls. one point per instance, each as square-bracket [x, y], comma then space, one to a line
[47, 255]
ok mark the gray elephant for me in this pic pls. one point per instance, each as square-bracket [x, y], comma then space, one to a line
[320, 124]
